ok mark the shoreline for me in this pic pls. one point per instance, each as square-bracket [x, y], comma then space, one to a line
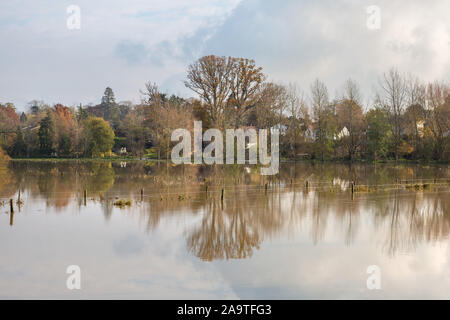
[285, 160]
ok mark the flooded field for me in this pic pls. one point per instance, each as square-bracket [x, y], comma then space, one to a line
[153, 230]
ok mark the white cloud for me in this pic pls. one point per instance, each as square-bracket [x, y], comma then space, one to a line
[118, 45]
[301, 40]
[125, 46]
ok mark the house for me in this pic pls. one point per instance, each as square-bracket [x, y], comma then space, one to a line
[420, 125]
[281, 129]
[310, 134]
[343, 133]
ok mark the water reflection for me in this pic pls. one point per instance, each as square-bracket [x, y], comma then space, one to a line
[249, 214]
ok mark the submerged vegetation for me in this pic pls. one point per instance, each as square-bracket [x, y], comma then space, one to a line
[122, 203]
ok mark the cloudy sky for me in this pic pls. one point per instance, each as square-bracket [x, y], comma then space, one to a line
[123, 44]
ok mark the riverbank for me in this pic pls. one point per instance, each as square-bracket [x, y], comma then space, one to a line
[282, 160]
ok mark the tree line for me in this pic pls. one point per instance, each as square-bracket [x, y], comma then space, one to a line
[406, 119]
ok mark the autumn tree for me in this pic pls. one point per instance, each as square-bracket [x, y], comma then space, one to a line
[9, 121]
[270, 106]
[246, 80]
[210, 78]
[229, 87]
[163, 115]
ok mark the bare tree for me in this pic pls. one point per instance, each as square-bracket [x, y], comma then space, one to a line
[393, 98]
[229, 87]
[210, 77]
[322, 117]
[350, 116]
[246, 80]
[162, 115]
[298, 117]
[438, 120]
[415, 112]
[270, 105]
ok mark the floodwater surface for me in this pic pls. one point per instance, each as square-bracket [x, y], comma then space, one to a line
[151, 230]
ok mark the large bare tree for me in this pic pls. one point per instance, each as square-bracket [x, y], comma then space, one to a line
[210, 77]
[229, 87]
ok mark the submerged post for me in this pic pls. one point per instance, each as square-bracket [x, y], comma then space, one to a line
[353, 187]
[142, 194]
[85, 196]
[221, 197]
[11, 205]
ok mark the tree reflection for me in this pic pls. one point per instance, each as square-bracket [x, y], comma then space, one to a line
[249, 215]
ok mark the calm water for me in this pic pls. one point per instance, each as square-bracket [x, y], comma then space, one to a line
[177, 241]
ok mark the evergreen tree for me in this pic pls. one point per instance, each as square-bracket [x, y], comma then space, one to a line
[65, 145]
[110, 108]
[23, 117]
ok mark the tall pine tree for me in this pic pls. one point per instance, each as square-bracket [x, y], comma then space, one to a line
[110, 108]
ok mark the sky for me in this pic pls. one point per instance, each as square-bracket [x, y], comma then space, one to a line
[124, 44]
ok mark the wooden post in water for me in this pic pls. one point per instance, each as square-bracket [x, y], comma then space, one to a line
[11, 206]
[265, 188]
[307, 184]
[11, 218]
[206, 189]
[221, 197]
[85, 196]
[142, 194]
[353, 187]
